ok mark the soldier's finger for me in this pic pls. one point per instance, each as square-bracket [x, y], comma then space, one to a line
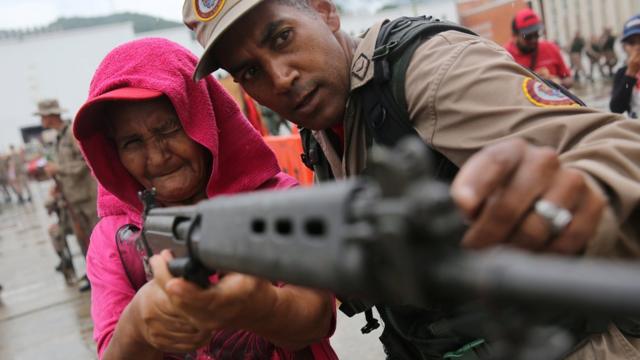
[566, 192]
[582, 228]
[483, 173]
[505, 210]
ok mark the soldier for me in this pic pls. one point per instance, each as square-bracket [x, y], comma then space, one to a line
[4, 178]
[607, 43]
[74, 182]
[575, 192]
[17, 173]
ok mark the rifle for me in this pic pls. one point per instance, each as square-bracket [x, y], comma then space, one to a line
[391, 236]
[76, 220]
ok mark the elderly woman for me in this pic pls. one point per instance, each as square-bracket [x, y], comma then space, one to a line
[147, 124]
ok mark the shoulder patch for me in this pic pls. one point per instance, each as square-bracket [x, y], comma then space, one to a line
[361, 66]
[542, 95]
[207, 9]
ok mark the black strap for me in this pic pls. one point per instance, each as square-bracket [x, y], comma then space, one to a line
[309, 155]
[534, 60]
[384, 104]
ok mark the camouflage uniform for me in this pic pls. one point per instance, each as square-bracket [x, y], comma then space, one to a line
[4, 178]
[77, 186]
[17, 175]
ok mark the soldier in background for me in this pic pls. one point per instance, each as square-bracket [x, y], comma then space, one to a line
[4, 178]
[17, 174]
[75, 185]
[594, 53]
[575, 55]
[607, 43]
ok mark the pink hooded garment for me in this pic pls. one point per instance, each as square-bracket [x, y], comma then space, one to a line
[241, 162]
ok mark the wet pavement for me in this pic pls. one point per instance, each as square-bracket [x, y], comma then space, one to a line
[43, 318]
[40, 316]
[594, 94]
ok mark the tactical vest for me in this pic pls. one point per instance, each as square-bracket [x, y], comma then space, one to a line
[416, 333]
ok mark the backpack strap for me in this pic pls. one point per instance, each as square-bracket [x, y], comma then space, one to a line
[384, 104]
[313, 157]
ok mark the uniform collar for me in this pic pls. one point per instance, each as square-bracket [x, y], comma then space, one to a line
[362, 65]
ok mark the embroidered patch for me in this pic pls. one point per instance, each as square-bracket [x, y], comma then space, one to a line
[207, 9]
[542, 95]
[361, 66]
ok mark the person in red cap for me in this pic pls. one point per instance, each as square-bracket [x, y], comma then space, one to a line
[540, 56]
[147, 125]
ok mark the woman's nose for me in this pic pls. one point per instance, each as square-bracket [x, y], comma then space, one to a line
[157, 151]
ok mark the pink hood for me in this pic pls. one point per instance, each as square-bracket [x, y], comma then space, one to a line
[241, 160]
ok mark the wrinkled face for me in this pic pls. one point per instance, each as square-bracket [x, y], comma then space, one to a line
[528, 43]
[632, 45]
[290, 60]
[157, 152]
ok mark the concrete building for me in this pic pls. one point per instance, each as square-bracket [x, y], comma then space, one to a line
[490, 18]
[564, 17]
[59, 65]
[357, 21]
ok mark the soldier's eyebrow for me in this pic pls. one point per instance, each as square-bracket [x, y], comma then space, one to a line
[269, 31]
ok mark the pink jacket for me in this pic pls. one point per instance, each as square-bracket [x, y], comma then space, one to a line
[241, 162]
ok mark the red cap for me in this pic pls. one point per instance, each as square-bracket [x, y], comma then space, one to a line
[527, 22]
[90, 118]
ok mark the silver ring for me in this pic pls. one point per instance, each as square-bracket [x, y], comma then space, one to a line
[557, 217]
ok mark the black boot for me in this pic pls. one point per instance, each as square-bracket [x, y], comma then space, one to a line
[84, 285]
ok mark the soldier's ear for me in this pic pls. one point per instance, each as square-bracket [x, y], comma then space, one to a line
[328, 12]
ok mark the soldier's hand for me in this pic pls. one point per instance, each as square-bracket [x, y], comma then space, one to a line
[236, 301]
[516, 193]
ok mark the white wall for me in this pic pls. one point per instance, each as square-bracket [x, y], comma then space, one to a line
[357, 22]
[181, 35]
[50, 65]
[59, 65]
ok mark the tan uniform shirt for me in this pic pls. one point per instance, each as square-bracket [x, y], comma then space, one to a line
[75, 177]
[464, 93]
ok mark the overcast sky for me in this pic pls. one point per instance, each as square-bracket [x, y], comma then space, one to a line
[29, 13]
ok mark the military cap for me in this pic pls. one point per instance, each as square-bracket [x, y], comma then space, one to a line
[209, 19]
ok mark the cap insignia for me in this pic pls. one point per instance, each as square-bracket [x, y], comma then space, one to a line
[206, 10]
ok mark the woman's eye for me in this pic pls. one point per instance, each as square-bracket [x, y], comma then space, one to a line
[282, 37]
[131, 144]
[172, 130]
